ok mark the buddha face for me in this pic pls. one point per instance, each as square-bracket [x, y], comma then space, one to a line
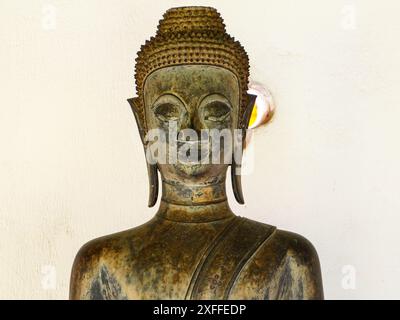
[192, 104]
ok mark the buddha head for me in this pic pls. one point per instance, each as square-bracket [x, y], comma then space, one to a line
[191, 81]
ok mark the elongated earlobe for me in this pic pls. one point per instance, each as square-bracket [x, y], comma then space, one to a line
[237, 182]
[153, 184]
[237, 163]
[151, 168]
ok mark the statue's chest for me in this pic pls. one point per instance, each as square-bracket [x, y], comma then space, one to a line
[198, 262]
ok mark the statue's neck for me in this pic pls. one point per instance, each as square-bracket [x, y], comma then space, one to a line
[200, 202]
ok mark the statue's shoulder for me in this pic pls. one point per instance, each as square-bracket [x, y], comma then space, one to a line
[295, 245]
[98, 248]
[285, 243]
[95, 260]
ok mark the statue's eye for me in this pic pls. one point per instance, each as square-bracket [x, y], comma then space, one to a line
[168, 107]
[216, 111]
[167, 112]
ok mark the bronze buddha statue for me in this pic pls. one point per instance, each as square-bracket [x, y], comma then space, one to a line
[193, 74]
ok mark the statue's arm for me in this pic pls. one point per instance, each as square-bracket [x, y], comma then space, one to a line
[84, 271]
[298, 276]
[91, 278]
[311, 277]
[306, 269]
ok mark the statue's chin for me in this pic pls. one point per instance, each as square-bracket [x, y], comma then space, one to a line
[192, 169]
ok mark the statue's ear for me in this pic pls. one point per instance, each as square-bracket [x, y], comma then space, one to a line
[134, 103]
[151, 168]
[251, 100]
[236, 167]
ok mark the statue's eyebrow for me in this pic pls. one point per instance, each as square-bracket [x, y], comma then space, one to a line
[217, 95]
[167, 95]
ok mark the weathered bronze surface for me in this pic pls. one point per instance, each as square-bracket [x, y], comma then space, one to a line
[195, 247]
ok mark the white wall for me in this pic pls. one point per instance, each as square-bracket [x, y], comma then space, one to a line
[71, 162]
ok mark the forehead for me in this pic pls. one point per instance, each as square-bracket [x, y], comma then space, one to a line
[191, 83]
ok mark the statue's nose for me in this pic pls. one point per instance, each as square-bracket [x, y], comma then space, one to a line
[194, 123]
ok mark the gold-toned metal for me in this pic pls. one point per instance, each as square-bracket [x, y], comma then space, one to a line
[195, 247]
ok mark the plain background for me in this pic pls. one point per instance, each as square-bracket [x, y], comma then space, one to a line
[72, 166]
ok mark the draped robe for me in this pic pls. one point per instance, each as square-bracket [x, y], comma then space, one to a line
[230, 258]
